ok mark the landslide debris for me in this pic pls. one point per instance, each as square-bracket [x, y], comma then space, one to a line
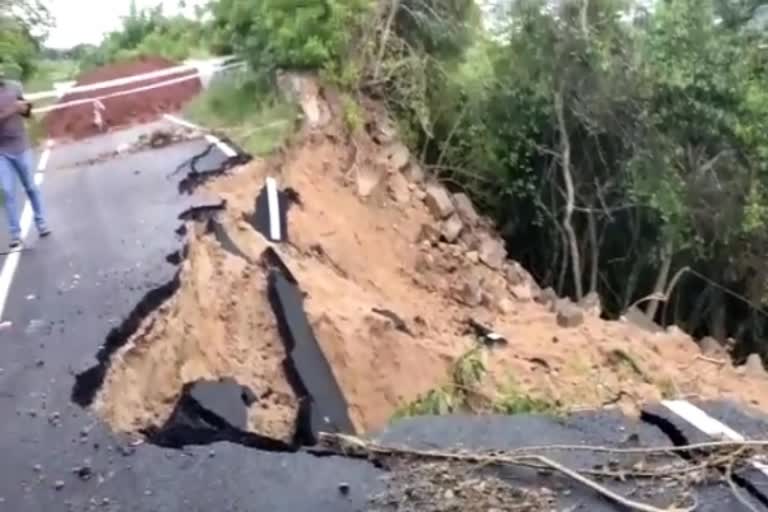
[373, 233]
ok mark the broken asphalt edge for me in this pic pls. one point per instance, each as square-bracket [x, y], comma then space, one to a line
[322, 405]
[682, 435]
[89, 382]
[196, 178]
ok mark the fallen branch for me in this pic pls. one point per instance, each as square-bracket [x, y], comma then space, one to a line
[712, 360]
[356, 447]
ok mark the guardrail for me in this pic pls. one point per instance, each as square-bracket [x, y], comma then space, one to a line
[204, 74]
[200, 68]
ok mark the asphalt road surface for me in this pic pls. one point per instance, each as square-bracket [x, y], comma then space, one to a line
[114, 224]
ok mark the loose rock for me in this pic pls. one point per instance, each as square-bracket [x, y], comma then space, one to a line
[395, 156]
[428, 233]
[515, 273]
[415, 173]
[470, 293]
[568, 314]
[367, 178]
[466, 209]
[505, 306]
[438, 201]
[546, 297]
[591, 304]
[753, 367]
[473, 257]
[709, 346]
[383, 131]
[522, 292]
[398, 188]
[452, 228]
[58, 485]
[492, 252]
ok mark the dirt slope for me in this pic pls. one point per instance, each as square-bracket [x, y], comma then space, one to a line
[76, 122]
[363, 238]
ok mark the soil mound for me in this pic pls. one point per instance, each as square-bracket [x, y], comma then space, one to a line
[393, 266]
[77, 121]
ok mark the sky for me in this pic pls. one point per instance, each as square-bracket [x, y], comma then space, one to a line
[86, 21]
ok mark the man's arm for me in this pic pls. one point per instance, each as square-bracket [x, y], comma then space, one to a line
[19, 108]
[24, 106]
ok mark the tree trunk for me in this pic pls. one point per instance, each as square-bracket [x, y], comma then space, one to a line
[595, 252]
[394, 7]
[717, 328]
[570, 197]
[661, 281]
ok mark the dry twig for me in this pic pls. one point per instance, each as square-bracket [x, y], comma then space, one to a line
[354, 446]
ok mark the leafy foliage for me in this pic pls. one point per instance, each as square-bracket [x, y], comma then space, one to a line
[256, 120]
[23, 23]
[285, 33]
[149, 32]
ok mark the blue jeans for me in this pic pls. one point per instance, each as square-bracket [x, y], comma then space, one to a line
[13, 166]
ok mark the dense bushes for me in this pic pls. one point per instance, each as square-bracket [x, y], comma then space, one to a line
[279, 33]
[149, 32]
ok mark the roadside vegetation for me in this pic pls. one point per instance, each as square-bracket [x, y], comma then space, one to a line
[255, 119]
[468, 392]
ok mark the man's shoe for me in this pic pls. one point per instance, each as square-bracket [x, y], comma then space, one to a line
[15, 244]
[44, 232]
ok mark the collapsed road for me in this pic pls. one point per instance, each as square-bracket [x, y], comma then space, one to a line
[75, 298]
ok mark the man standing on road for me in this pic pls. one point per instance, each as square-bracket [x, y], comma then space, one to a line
[16, 158]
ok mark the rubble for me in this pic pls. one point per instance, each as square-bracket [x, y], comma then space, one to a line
[568, 314]
[466, 209]
[591, 304]
[438, 201]
[452, 228]
[415, 173]
[394, 157]
[492, 252]
[382, 130]
[368, 180]
[398, 188]
[753, 367]
[710, 346]
[428, 233]
[522, 292]
[469, 292]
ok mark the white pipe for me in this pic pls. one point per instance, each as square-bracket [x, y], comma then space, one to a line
[121, 81]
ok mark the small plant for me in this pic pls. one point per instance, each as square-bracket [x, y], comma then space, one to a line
[512, 400]
[668, 388]
[463, 394]
[353, 114]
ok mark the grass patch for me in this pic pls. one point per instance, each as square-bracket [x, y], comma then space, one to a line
[463, 394]
[49, 72]
[257, 120]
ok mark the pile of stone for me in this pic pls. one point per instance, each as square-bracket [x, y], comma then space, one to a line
[460, 242]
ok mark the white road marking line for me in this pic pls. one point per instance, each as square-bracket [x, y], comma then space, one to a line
[43, 162]
[224, 148]
[228, 151]
[182, 122]
[12, 260]
[709, 425]
[273, 202]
